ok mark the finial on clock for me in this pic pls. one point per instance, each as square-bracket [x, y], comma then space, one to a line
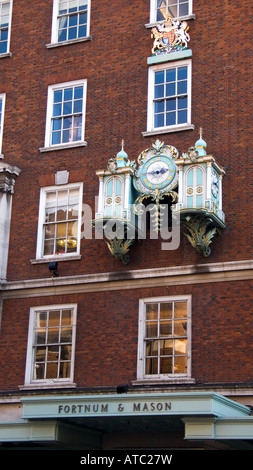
[200, 145]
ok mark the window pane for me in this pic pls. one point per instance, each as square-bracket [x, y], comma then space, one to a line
[165, 328]
[182, 73]
[61, 230]
[170, 89]
[68, 94]
[166, 365]
[66, 335]
[151, 348]
[67, 317]
[48, 247]
[40, 354]
[82, 31]
[159, 107]
[180, 328]
[170, 119]
[151, 366]
[170, 75]
[78, 92]
[159, 77]
[183, 9]
[57, 109]
[182, 117]
[171, 105]
[72, 33]
[151, 329]
[38, 371]
[182, 87]
[56, 138]
[159, 91]
[172, 10]
[182, 103]
[180, 365]
[53, 336]
[78, 105]
[180, 346]
[57, 123]
[180, 310]
[67, 108]
[40, 337]
[151, 311]
[58, 96]
[166, 310]
[62, 198]
[159, 120]
[166, 347]
[63, 7]
[62, 36]
[54, 318]
[73, 20]
[64, 370]
[3, 47]
[52, 368]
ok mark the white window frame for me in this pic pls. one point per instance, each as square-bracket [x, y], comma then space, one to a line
[49, 116]
[153, 8]
[151, 98]
[54, 33]
[168, 378]
[7, 52]
[3, 99]
[41, 221]
[45, 383]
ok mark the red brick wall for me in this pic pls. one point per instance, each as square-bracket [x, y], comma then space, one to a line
[107, 334]
[114, 63]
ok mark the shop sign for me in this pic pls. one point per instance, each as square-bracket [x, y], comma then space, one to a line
[98, 408]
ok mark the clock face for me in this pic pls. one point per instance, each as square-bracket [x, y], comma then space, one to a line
[215, 184]
[158, 172]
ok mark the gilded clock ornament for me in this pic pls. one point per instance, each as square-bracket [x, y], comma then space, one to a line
[156, 178]
[157, 169]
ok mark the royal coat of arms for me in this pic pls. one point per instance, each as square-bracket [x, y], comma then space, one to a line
[169, 36]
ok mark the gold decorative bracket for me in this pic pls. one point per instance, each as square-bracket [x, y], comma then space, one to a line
[201, 231]
[119, 249]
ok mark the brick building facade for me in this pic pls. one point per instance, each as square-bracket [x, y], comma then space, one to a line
[76, 78]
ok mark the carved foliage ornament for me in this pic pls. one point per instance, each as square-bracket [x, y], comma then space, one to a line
[170, 36]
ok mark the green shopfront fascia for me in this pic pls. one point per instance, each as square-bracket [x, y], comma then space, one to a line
[190, 420]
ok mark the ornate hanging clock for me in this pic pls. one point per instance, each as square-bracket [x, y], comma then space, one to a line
[157, 172]
[155, 178]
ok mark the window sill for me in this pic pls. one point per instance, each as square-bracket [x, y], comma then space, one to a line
[56, 258]
[35, 386]
[67, 43]
[181, 18]
[167, 130]
[5, 54]
[165, 381]
[63, 146]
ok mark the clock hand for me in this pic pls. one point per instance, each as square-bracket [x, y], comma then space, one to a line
[157, 172]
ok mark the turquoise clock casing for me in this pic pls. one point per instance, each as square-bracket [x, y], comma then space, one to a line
[157, 173]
